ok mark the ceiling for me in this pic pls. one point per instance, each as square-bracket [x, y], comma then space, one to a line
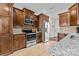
[51, 9]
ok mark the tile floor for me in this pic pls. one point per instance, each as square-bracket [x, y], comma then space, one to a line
[40, 49]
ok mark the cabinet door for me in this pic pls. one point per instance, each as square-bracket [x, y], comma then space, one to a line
[35, 18]
[4, 9]
[28, 13]
[22, 41]
[41, 19]
[5, 45]
[19, 42]
[64, 19]
[73, 16]
[15, 43]
[4, 25]
[38, 37]
[19, 17]
[31, 15]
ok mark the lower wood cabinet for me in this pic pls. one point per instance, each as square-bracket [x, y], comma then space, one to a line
[61, 36]
[5, 45]
[19, 41]
[39, 37]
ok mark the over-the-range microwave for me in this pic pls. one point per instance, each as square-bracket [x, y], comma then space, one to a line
[28, 22]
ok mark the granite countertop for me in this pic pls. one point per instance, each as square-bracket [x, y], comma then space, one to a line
[18, 30]
[14, 33]
[66, 47]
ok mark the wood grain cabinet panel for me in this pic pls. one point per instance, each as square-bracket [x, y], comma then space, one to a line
[5, 45]
[74, 14]
[61, 36]
[4, 25]
[28, 13]
[4, 9]
[6, 20]
[42, 18]
[19, 41]
[64, 19]
[18, 17]
[39, 37]
[36, 21]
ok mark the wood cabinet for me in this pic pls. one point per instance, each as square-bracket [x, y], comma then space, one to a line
[18, 17]
[39, 37]
[64, 19]
[36, 21]
[28, 13]
[35, 18]
[5, 9]
[61, 36]
[74, 14]
[42, 18]
[5, 45]
[19, 41]
[6, 25]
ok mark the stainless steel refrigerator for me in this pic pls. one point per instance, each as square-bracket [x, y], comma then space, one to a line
[45, 31]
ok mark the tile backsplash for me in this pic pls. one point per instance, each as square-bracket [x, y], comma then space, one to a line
[68, 29]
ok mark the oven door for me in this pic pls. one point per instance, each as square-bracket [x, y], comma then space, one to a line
[31, 37]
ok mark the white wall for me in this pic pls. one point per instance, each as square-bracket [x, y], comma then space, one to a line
[54, 26]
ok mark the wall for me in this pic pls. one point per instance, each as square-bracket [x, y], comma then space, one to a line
[68, 29]
[54, 26]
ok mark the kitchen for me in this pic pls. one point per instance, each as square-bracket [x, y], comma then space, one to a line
[25, 32]
[23, 28]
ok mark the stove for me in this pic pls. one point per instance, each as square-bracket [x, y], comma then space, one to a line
[30, 35]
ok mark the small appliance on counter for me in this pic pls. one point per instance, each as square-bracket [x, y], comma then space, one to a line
[78, 28]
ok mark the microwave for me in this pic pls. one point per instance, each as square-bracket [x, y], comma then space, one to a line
[28, 22]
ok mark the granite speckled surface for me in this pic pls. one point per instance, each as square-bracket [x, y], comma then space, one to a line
[67, 46]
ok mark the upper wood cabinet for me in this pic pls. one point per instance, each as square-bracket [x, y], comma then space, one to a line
[6, 18]
[35, 18]
[64, 19]
[41, 19]
[74, 14]
[6, 25]
[36, 21]
[28, 13]
[5, 9]
[18, 17]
